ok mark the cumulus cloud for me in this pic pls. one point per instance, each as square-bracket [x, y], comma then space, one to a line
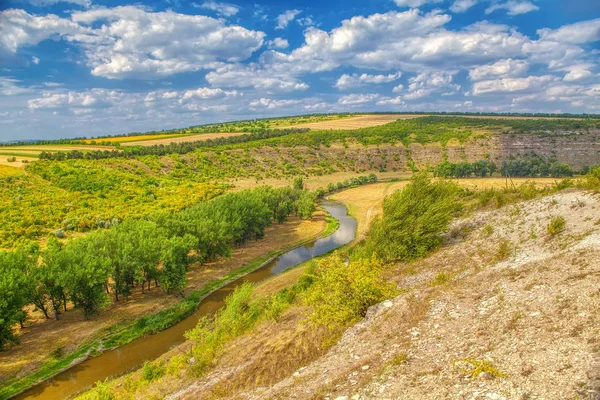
[513, 7]
[509, 85]
[426, 83]
[12, 87]
[460, 6]
[272, 104]
[578, 33]
[278, 43]
[224, 9]
[354, 99]
[578, 74]
[414, 3]
[349, 81]
[134, 42]
[501, 68]
[95, 98]
[396, 101]
[241, 77]
[285, 18]
[45, 3]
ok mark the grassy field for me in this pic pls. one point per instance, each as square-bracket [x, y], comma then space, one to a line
[30, 153]
[136, 138]
[41, 337]
[361, 121]
[155, 140]
[9, 170]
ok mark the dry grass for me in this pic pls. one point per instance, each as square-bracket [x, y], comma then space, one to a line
[361, 121]
[122, 139]
[17, 164]
[181, 139]
[41, 337]
[314, 182]
[365, 202]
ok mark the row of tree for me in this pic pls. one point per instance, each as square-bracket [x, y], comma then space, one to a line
[532, 167]
[165, 149]
[86, 271]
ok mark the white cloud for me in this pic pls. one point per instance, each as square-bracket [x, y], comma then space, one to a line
[501, 68]
[513, 7]
[35, 60]
[354, 99]
[205, 93]
[398, 88]
[45, 3]
[414, 3]
[19, 29]
[509, 85]
[284, 19]
[262, 79]
[426, 83]
[137, 43]
[11, 87]
[349, 81]
[577, 74]
[460, 6]
[224, 9]
[578, 33]
[94, 98]
[391, 101]
[272, 104]
[278, 43]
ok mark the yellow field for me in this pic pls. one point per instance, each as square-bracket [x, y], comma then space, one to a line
[181, 139]
[123, 139]
[361, 121]
[6, 170]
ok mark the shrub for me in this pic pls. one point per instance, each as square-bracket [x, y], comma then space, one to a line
[413, 219]
[152, 371]
[341, 294]
[556, 225]
[11, 159]
[504, 250]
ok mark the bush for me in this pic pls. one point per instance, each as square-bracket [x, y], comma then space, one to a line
[413, 220]
[152, 371]
[11, 159]
[341, 294]
[556, 225]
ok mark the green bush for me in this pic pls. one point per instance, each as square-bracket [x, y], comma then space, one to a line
[152, 371]
[341, 294]
[413, 220]
[556, 225]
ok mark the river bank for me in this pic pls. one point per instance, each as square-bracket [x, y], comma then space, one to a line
[145, 316]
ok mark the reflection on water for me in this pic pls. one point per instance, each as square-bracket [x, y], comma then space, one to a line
[128, 357]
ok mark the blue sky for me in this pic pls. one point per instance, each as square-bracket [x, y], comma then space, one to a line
[92, 67]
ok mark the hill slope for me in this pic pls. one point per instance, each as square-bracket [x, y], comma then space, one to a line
[503, 310]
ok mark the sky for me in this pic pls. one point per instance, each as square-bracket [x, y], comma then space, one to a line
[73, 68]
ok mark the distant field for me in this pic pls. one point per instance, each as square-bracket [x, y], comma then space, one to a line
[31, 153]
[361, 121]
[181, 139]
[128, 139]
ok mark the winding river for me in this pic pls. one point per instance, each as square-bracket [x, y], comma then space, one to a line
[128, 357]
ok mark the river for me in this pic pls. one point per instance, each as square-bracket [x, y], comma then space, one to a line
[130, 356]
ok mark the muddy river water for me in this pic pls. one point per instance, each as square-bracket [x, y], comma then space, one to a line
[132, 355]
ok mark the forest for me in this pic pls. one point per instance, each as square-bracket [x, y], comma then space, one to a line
[86, 271]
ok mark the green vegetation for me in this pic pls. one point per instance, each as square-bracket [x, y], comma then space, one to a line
[556, 225]
[340, 294]
[413, 219]
[137, 252]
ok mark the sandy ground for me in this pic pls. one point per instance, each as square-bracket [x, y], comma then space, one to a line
[40, 336]
[181, 139]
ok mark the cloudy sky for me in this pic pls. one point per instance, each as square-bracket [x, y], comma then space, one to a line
[90, 67]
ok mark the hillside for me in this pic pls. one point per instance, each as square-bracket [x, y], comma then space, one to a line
[502, 311]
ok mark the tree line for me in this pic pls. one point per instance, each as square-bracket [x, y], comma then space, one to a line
[87, 271]
[165, 149]
[532, 167]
